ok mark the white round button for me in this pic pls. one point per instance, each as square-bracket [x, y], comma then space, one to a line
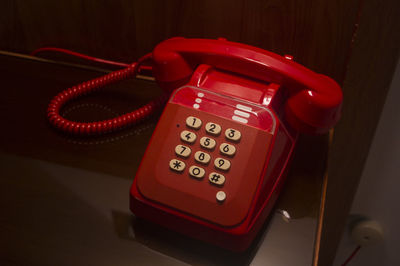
[221, 196]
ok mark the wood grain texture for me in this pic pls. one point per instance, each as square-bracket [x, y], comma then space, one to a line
[316, 32]
[374, 58]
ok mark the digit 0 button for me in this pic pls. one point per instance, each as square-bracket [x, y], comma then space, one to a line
[227, 149]
[233, 134]
[183, 151]
[213, 129]
[202, 157]
[222, 164]
[196, 172]
[177, 165]
[188, 136]
[216, 179]
[207, 143]
[193, 122]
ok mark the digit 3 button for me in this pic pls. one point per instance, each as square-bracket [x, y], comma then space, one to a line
[196, 172]
[233, 134]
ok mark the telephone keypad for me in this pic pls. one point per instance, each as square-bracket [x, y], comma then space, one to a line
[188, 136]
[177, 165]
[207, 143]
[183, 151]
[196, 172]
[233, 134]
[227, 149]
[222, 164]
[213, 129]
[216, 179]
[193, 122]
[202, 157]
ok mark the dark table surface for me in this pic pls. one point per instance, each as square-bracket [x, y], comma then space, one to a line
[64, 200]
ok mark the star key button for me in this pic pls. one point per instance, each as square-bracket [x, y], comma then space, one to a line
[177, 165]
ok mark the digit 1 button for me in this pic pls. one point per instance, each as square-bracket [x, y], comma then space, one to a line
[188, 136]
[213, 129]
[183, 151]
[177, 165]
[222, 164]
[207, 143]
[196, 172]
[202, 157]
[193, 122]
[216, 179]
[233, 134]
[227, 149]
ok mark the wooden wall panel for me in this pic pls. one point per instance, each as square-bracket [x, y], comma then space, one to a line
[374, 59]
[316, 32]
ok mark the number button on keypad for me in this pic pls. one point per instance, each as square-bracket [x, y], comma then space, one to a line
[222, 164]
[202, 157]
[197, 172]
[216, 179]
[213, 129]
[188, 136]
[227, 149]
[233, 134]
[183, 151]
[207, 143]
[177, 165]
[193, 122]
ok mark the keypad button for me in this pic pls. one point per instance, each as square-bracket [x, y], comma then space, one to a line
[216, 179]
[202, 157]
[213, 129]
[183, 151]
[188, 136]
[227, 149]
[177, 165]
[207, 143]
[193, 122]
[197, 172]
[233, 134]
[220, 196]
[222, 164]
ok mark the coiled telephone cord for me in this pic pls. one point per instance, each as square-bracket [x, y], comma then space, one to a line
[105, 126]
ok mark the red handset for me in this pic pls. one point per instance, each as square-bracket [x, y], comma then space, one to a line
[218, 157]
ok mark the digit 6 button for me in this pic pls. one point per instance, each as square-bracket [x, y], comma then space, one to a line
[227, 149]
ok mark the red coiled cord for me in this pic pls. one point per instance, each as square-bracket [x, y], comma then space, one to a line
[100, 127]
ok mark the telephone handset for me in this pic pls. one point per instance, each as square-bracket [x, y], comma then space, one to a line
[217, 159]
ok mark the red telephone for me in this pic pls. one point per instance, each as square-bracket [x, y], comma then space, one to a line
[217, 159]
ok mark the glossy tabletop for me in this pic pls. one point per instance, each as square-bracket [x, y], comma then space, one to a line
[65, 200]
